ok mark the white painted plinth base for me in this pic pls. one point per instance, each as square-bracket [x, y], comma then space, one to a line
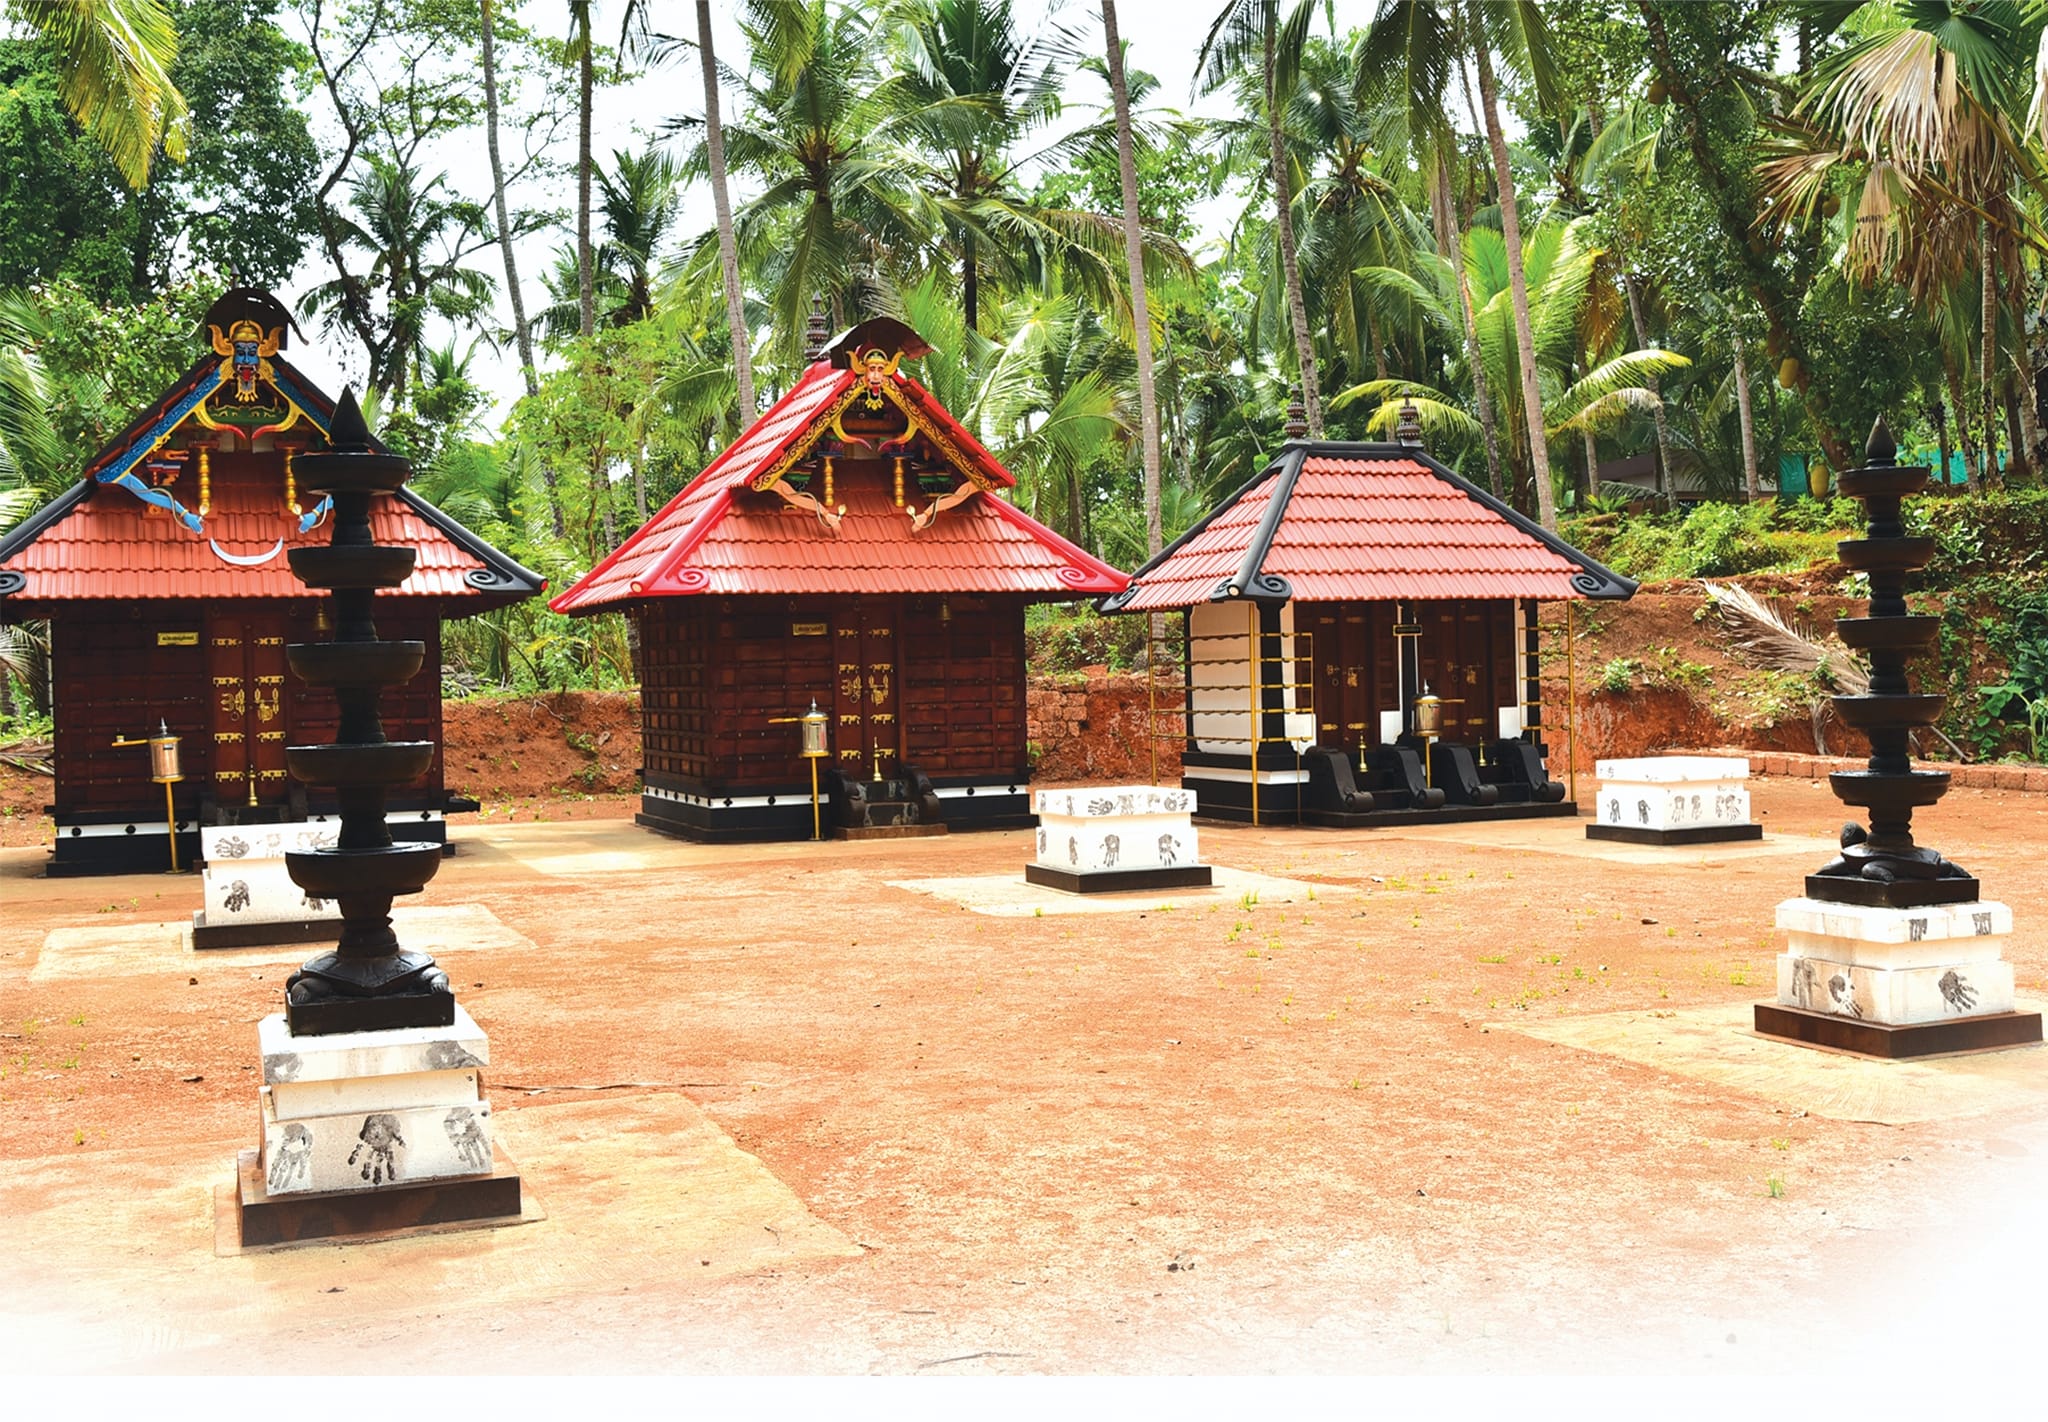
[1118, 827]
[365, 1110]
[1673, 792]
[244, 880]
[1895, 967]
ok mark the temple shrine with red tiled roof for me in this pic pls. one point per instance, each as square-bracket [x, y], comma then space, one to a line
[1361, 641]
[163, 573]
[853, 549]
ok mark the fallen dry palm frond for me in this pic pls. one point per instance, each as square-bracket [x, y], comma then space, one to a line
[1768, 639]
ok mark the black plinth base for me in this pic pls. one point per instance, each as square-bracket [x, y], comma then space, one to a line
[258, 935]
[1114, 881]
[1875, 1039]
[478, 1200]
[914, 830]
[1690, 834]
[383, 1013]
[1900, 893]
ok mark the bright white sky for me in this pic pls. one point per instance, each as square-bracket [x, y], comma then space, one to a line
[1163, 37]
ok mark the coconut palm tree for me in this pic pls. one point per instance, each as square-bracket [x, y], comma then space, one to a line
[1251, 37]
[414, 237]
[1925, 108]
[114, 58]
[28, 450]
[1567, 321]
[1420, 46]
[836, 216]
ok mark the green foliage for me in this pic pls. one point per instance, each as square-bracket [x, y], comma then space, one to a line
[1068, 638]
[1716, 539]
[1619, 676]
[103, 362]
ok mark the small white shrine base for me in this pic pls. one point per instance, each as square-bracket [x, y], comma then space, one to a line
[250, 898]
[365, 1132]
[1116, 838]
[1673, 799]
[1896, 982]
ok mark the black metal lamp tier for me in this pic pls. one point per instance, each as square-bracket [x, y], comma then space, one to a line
[367, 982]
[1882, 866]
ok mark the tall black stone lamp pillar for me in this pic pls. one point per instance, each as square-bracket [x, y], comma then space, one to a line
[1892, 953]
[374, 1112]
[367, 982]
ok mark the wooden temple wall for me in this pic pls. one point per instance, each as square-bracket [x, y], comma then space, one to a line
[722, 680]
[118, 669]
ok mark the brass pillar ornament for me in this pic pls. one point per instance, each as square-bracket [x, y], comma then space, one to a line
[367, 982]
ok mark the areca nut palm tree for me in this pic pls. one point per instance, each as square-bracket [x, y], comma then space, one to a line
[721, 201]
[1134, 250]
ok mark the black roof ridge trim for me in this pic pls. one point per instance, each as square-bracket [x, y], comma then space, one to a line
[507, 574]
[32, 527]
[1251, 579]
[1114, 601]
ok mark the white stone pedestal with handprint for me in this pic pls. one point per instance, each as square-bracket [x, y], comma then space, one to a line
[1098, 839]
[1673, 799]
[1895, 967]
[360, 1111]
[250, 899]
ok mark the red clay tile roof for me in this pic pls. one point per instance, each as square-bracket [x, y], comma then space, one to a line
[108, 544]
[1366, 523]
[721, 536]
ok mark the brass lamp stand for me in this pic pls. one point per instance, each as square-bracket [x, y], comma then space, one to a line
[163, 769]
[813, 722]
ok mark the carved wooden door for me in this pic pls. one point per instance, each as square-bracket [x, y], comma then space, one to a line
[246, 671]
[867, 736]
[1344, 690]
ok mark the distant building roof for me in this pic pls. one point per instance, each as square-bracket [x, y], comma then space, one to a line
[1334, 522]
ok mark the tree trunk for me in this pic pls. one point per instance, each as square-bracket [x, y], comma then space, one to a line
[1749, 470]
[1988, 368]
[522, 332]
[586, 294]
[1518, 286]
[2015, 441]
[1134, 254]
[1964, 429]
[1290, 267]
[1937, 412]
[1592, 465]
[1633, 287]
[2029, 397]
[970, 283]
[728, 245]
[1450, 221]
